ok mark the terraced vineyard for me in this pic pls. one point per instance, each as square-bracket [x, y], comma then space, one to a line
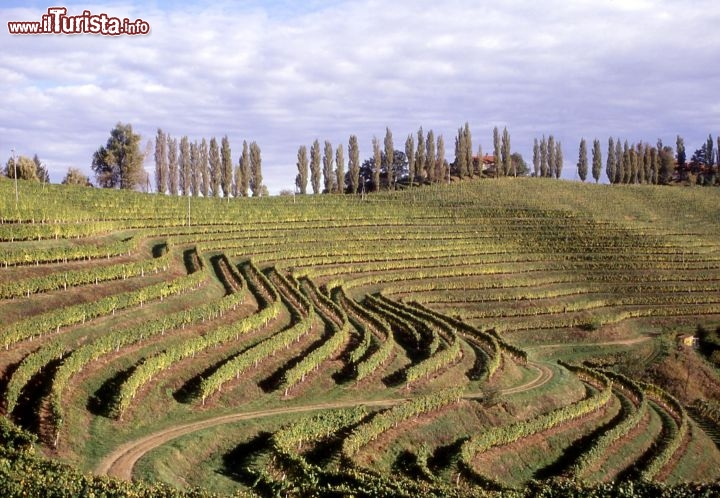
[417, 343]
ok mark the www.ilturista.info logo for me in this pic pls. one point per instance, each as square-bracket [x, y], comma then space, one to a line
[57, 22]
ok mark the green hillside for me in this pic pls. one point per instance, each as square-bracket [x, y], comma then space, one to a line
[520, 336]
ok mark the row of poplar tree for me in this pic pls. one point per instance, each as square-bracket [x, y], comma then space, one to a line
[192, 168]
[644, 163]
[422, 161]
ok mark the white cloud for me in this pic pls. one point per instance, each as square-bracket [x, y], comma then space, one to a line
[284, 75]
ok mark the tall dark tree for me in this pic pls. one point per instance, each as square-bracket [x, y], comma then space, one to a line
[340, 169]
[184, 165]
[582, 164]
[506, 154]
[410, 154]
[246, 169]
[256, 177]
[710, 152]
[204, 169]
[172, 148]
[195, 174]
[558, 160]
[215, 168]
[377, 163]
[328, 173]
[120, 162]
[480, 160]
[420, 156]
[468, 149]
[301, 180]
[40, 170]
[496, 151]
[596, 160]
[461, 153]
[611, 167]
[681, 156]
[544, 157]
[227, 168]
[354, 164]
[315, 173]
[667, 165]
[551, 156]
[430, 157]
[161, 165]
[536, 157]
[655, 165]
[441, 172]
[619, 162]
[389, 155]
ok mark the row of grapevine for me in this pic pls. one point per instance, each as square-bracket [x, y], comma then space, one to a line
[375, 330]
[249, 358]
[503, 435]
[63, 280]
[11, 232]
[70, 315]
[633, 410]
[73, 363]
[672, 435]
[339, 331]
[386, 420]
[63, 254]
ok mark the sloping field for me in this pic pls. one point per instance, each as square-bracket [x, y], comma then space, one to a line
[455, 340]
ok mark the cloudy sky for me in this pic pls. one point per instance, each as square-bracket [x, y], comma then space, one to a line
[283, 73]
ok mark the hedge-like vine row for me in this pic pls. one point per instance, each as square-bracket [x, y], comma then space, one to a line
[383, 421]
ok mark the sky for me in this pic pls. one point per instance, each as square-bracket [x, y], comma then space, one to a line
[284, 73]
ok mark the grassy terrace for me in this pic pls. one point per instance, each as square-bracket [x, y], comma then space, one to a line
[271, 345]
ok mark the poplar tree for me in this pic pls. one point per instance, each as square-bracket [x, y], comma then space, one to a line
[647, 162]
[468, 150]
[626, 165]
[461, 153]
[315, 173]
[226, 161]
[214, 158]
[194, 169]
[161, 165]
[551, 156]
[480, 160]
[655, 165]
[710, 152]
[328, 173]
[246, 169]
[410, 155]
[237, 179]
[390, 158]
[505, 152]
[301, 180]
[596, 160]
[666, 165]
[611, 166]
[582, 164]
[354, 164]
[558, 160]
[496, 151]
[681, 156]
[536, 157]
[543, 157]
[430, 156]
[340, 169]
[204, 168]
[420, 156]
[255, 170]
[619, 162]
[377, 163]
[440, 172]
[185, 165]
[172, 165]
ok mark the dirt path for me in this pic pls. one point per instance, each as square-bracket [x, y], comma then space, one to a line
[120, 463]
[619, 342]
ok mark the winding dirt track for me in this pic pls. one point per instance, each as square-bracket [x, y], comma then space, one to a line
[120, 463]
